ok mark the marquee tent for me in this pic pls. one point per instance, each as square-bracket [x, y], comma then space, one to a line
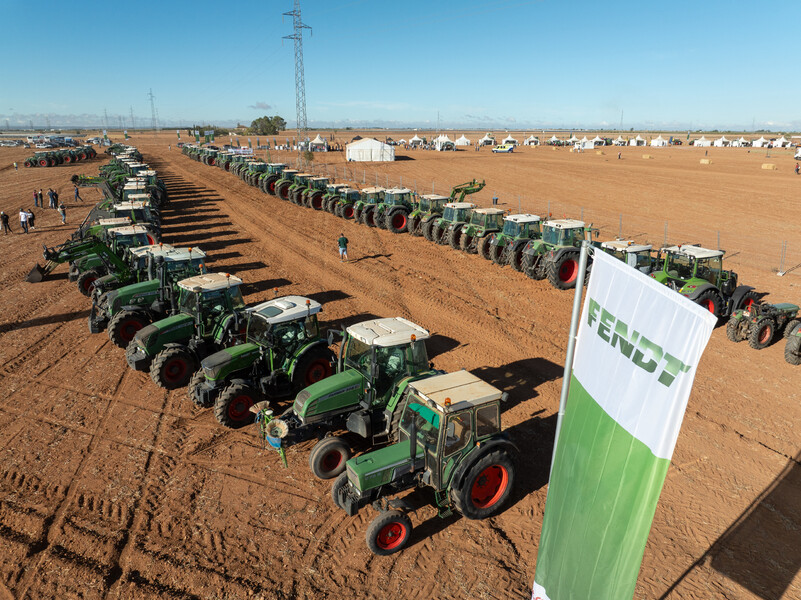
[760, 143]
[509, 140]
[721, 142]
[487, 140]
[702, 142]
[638, 141]
[659, 142]
[462, 141]
[781, 142]
[415, 141]
[369, 150]
[532, 141]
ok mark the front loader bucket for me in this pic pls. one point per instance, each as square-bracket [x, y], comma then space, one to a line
[38, 273]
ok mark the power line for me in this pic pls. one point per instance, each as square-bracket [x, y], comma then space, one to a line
[300, 82]
[154, 122]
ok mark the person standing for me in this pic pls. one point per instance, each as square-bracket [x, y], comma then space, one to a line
[62, 210]
[342, 242]
[50, 196]
[797, 168]
[55, 198]
[78, 194]
[31, 219]
[23, 219]
[41, 198]
[35, 198]
[15, 166]
[4, 221]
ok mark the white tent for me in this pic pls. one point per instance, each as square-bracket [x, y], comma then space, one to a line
[462, 141]
[369, 150]
[781, 142]
[659, 142]
[619, 141]
[741, 143]
[509, 140]
[553, 140]
[531, 141]
[721, 142]
[638, 141]
[318, 142]
[598, 141]
[402, 142]
[415, 141]
[702, 142]
[572, 139]
[760, 143]
[487, 140]
[443, 142]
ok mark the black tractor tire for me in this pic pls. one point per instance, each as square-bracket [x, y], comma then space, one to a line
[269, 184]
[294, 197]
[467, 243]
[749, 299]
[414, 226]
[791, 324]
[762, 332]
[282, 190]
[453, 237]
[710, 300]
[316, 200]
[232, 406]
[389, 532]
[563, 272]
[314, 366]
[198, 377]
[792, 350]
[131, 349]
[85, 281]
[397, 221]
[368, 216]
[486, 487]
[427, 229]
[123, 326]
[736, 329]
[497, 254]
[173, 367]
[340, 483]
[328, 457]
[483, 247]
[347, 212]
[513, 257]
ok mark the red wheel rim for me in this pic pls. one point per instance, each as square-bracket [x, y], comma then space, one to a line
[399, 220]
[271, 186]
[129, 328]
[317, 202]
[489, 486]
[332, 460]
[568, 271]
[764, 335]
[391, 535]
[317, 371]
[43, 163]
[87, 283]
[150, 240]
[239, 407]
[749, 302]
[348, 212]
[212, 162]
[175, 370]
[709, 305]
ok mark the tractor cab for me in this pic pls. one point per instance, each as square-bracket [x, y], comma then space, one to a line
[431, 203]
[175, 260]
[348, 194]
[318, 183]
[300, 180]
[457, 212]
[487, 218]
[634, 255]
[139, 212]
[333, 189]
[522, 226]
[138, 258]
[120, 238]
[563, 232]
[681, 264]
[207, 297]
[276, 168]
[284, 323]
[372, 195]
[398, 197]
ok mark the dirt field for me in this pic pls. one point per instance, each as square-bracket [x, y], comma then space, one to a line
[112, 488]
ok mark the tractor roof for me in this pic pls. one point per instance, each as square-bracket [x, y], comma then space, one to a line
[694, 251]
[129, 230]
[625, 246]
[347, 189]
[277, 164]
[398, 191]
[456, 391]
[119, 221]
[290, 171]
[319, 178]
[135, 185]
[152, 248]
[565, 223]
[147, 173]
[460, 205]
[138, 197]
[387, 332]
[209, 282]
[129, 205]
[372, 190]
[490, 211]
[287, 308]
[304, 174]
[171, 254]
[522, 218]
[337, 185]
[434, 197]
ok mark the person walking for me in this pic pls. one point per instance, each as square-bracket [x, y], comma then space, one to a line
[342, 242]
[35, 198]
[4, 221]
[78, 195]
[31, 219]
[55, 198]
[797, 168]
[15, 166]
[62, 210]
[41, 199]
[50, 195]
[23, 219]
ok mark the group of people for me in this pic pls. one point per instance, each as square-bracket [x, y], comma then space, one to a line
[27, 218]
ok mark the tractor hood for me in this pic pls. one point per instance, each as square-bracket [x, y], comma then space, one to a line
[142, 294]
[176, 328]
[221, 364]
[336, 394]
[379, 467]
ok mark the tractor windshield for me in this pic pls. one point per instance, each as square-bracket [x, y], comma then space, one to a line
[709, 269]
[259, 330]
[188, 302]
[424, 204]
[493, 221]
[640, 260]
[426, 424]
[357, 354]
[397, 199]
[556, 236]
[511, 228]
[678, 266]
[449, 213]
[460, 215]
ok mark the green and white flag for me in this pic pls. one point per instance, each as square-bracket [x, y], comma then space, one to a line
[637, 350]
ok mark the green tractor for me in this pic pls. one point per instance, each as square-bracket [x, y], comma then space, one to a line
[283, 354]
[759, 323]
[377, 361]
[344, 204]
[637, 256]
[127, 309]
[270, 177]
[300, 183]
[331, 195]
[136, 260]
[792, 349]
[253, 171]
[506, 247]
[364, 209]
[448, 439]
[428, 207]
[96, 227]
[454, 215]
[284, 183]
[697, 274]
[556, 254]
[210, 316]
[475, 235]
[393, 211]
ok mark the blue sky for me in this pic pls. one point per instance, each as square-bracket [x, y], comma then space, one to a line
[505, 64]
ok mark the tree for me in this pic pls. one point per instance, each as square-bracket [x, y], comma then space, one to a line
[267, 125]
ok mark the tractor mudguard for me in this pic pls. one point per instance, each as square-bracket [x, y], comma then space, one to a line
[531, 248]
[360, 423]
[694, 293]
[739, 292]
[559, 252]
[304, 351]
[500, 441]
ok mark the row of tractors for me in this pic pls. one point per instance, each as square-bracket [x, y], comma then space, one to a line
[384, 419]
[540, 248]
[52, 158]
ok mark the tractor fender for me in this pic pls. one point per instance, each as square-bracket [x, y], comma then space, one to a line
[518, 245]
[501, 442]
[313, 345]
[137, 308]
[738, 294]
[702, 288]
[559, 252]
[176, 345]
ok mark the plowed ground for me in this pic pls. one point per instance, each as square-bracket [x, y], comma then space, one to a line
[113, 488]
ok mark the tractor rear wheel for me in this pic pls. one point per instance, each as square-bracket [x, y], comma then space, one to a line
[314, 366]
[367, 216]
[563, 272]
[389, 532]
[173, 367]
[452, 236]
[194, 385]
[428, 229]
[788, 329]
[792, 350]
[339, 484]
[486, 487]
[498, 254]
[123, 327]
[347, 212]
[328, 457]
[413, 226]
[232, 406]
[483, 247]
[316, 200]
[710, 300]
[397, 221]
[465, 242]
[761, 333]
[737, 329]
[282, 190]
[85, 281]
[748, 301]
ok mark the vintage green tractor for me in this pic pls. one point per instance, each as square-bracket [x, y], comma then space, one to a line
[474, 236]
[378, 359]
[313, 195]
[331, 196]
[506, 247]
[268, 180]
[364, 210]
[447, 228]
[283, 354]
[393, 211]
[127, 309]
[697, 274]
[759, 323]
[637, 256]
[210, 317]
[345, 203]
[284, 183]
[556, 254]
[449, 440]
[792, 349]
[428, 207]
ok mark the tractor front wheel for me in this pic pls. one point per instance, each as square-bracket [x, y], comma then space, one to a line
[123, 327]
[483, 247]
[173, 367]
[86, 281]
[193, 389]
[563, 272]
[389, 532]
[328, 457]
[710, 301]
[232, 406]
[792, 350]
[413, 226]
[340, 484]
[788, 329]
[397, 221]
[487, 486]
[761, 333]
[737, 329]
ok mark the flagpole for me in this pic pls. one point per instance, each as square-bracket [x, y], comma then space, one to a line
[571, 342]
